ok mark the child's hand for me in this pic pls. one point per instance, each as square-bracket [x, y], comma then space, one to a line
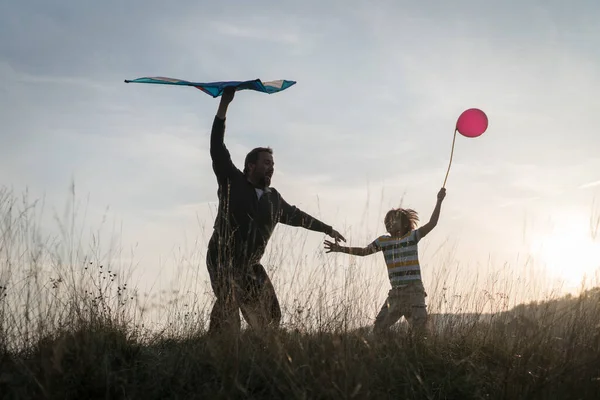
[441, 194]
[332, 247]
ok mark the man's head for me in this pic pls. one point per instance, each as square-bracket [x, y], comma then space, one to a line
[400, 221]
[259, 166]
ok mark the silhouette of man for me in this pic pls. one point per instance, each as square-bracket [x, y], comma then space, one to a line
[249, 209]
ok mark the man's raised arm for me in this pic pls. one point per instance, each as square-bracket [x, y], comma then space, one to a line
[221, 159]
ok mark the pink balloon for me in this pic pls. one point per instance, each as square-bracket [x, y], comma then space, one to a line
[472, 123]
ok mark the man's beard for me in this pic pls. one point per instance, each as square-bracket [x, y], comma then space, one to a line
[262, 181]
[265, 181]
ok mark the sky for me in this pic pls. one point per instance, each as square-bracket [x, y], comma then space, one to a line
[367, 127]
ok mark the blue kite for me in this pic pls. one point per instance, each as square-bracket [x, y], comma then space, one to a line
[215, 89]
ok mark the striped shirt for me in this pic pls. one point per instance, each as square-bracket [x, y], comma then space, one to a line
[401, 256]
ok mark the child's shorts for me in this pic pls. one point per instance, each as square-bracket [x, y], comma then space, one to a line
[407, 302]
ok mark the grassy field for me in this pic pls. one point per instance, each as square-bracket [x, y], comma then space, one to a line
[70, 327]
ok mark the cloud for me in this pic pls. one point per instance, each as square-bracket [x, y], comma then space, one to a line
[589, 185]
[17, 78]
[256, 33]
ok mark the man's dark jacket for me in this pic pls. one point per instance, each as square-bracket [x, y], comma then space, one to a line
[244, 223]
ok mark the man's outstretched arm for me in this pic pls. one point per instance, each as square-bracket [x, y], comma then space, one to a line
[293, 216]
[221, 159]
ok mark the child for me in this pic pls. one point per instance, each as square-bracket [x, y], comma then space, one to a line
[407, 296]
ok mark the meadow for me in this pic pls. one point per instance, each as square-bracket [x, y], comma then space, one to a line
[73, 326]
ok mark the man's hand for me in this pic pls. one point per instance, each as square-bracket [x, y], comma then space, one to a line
[441, 195]
[228, 95]
[337, 236]
[226, 98]
[332, 247]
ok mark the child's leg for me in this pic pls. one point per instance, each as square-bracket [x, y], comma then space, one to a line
[389, 314]
[416, 315]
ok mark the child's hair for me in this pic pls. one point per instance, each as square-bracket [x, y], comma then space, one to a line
[408, 218]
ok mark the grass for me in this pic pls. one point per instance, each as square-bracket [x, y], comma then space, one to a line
[71, 327]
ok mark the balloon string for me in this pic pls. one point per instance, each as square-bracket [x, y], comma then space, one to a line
[451, 154]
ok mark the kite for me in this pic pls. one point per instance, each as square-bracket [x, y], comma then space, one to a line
[215, 89]
[471, 123]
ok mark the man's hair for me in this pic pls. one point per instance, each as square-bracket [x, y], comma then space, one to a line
[407, 216]
[252, 157]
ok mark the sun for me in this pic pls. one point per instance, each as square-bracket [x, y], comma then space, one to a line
[569, 251]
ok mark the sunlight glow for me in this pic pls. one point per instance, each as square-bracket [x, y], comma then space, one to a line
[569, 251]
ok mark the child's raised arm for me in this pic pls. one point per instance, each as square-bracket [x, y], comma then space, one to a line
[334, 247]
[435, 216]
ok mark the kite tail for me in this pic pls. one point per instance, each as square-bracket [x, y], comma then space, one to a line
[451, 154]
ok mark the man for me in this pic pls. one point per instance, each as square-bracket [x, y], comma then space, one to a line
[249, 209]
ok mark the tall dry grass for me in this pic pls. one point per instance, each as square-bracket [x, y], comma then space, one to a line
[72, 325]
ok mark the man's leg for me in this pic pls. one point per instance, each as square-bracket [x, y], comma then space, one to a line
[225, 314]
[259, 304]
[224, 317]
